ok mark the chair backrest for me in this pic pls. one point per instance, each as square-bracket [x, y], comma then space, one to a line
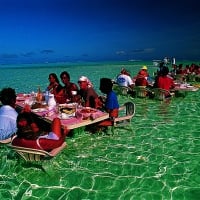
[30, 154]
[129, 111]
[141, 91]
[130, 108]
[121, 90]
[161, 94]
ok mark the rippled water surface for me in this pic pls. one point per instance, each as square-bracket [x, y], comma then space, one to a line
[156, 157]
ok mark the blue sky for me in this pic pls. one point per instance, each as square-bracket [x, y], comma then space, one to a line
[90, 30]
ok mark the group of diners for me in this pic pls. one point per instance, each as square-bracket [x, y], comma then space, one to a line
[185, 70]
[162, 80]
[63, 94]
[27, 131]
[180, 72]
[142, 78]
[188, 72]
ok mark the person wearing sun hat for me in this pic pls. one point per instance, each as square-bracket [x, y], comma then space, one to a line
[85, 79]
[142, 77]
[144, 67]
[144, 70]
[88, 94]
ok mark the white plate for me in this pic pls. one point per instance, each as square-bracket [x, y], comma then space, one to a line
[39, 109]
[20, 99]
[65, 116]
[68, 105]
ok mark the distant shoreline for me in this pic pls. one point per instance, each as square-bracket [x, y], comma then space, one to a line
[92, 63]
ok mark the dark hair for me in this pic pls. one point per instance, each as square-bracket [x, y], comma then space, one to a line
[25, 115]
[106, 85]
[25, 132]
[55, 76]
[124, 71]
[7, 96]
[65, 73]
[164, 71]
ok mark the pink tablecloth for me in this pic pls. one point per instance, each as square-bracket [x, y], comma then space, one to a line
[80, 119]
[186, 88]
[77, 121]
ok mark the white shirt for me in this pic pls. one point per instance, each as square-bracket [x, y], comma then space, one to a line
[8, 124]
[124, 80]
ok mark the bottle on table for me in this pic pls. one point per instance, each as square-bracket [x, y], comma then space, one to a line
[39, 95]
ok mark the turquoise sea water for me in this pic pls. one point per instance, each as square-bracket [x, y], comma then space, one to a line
[157, 157]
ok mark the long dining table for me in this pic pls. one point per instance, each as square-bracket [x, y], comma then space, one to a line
[82, 116]
[185, 88]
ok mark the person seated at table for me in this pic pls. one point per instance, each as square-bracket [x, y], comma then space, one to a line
[141, 79]
[160, 67]
[54, 86]
[67, 94]
[144, 69]
[164, 81]
[124, 79]
[180, 76]
[186, 70]
[88, 94]
[8, 114]
[31, 136]
[111, 103]
[172, 72]
[180, 69]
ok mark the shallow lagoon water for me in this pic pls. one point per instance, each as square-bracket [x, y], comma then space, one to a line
[157, 157]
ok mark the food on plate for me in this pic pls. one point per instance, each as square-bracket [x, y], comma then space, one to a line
[67, 110]
[86, 118]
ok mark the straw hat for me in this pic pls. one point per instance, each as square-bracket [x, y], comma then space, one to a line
[144, 67]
